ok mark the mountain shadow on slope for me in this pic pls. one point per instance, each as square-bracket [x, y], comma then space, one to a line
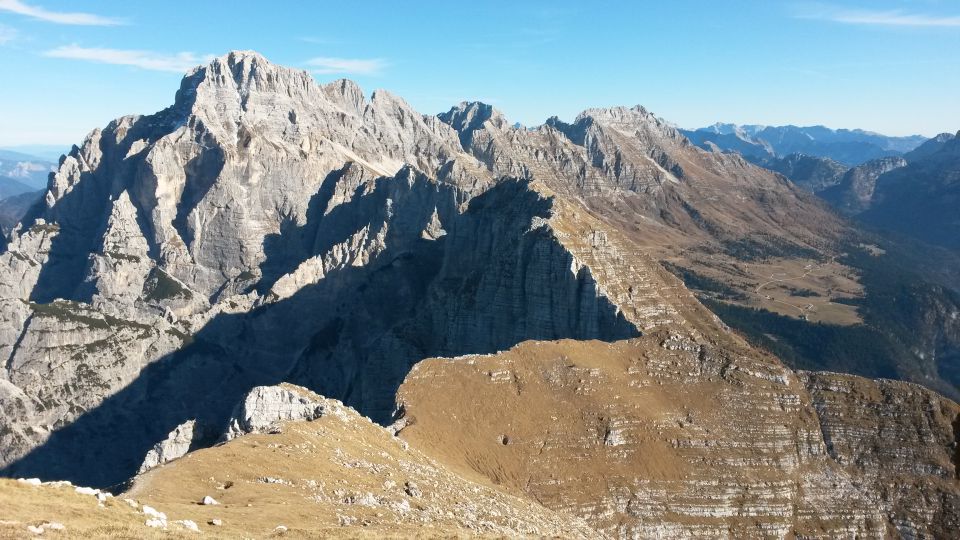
[493, 279]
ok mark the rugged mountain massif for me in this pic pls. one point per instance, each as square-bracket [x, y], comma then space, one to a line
[921, 199]
[763, 143]
[267, 229]
[915, 192]
[854, 192]
[914, 202]
[809, 172]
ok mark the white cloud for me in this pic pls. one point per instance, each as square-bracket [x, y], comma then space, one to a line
[179, 63]
[878, 18]
[7, 34]
[37, 12]
[348, 66]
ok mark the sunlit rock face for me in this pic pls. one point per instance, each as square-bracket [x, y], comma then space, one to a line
[266, 228]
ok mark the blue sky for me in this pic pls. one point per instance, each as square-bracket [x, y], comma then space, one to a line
[888, 66]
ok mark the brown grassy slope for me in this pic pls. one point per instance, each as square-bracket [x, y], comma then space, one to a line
[340, 475]
[656, 436]
[22, 505]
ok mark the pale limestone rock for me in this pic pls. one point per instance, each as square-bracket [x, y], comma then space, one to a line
[266, 406]
[176, 445]
[119, 270]
[153, 513]
[188, 525]
[156, 523]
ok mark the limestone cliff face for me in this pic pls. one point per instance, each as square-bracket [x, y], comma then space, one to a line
[266, 228]
[901, 441]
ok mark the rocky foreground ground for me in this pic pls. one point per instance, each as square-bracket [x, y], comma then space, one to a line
[655, 437]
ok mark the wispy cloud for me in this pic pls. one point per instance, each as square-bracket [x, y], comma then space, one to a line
[7, 34]
[179, 62]
[59, 17]
[347, 66]
[895, 17]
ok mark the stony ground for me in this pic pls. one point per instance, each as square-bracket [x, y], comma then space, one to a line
[337, 476]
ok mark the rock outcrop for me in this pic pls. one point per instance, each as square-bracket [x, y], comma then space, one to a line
[266, 406]
[185, 437]
[334, 475]
[854, 193]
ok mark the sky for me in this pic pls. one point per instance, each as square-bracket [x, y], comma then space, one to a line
[889, 66]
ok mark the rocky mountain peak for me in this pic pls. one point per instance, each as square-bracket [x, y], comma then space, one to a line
[248, 71]
[467, 117]
[634, 121]
[953, 143]
[347, 94]
[929, 147]
[854, 193]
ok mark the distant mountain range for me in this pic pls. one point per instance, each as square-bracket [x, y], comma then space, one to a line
[906, 185]
[23, 177]
[760, 144]
[46, 152]
[26, 169]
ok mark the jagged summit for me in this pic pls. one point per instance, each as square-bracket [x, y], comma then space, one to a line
[467, 117]
[637, 119]
[246, 69]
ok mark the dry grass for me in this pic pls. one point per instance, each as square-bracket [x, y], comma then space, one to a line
[339, 476]
[22, 505]
[343, 476]
[631, 434]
